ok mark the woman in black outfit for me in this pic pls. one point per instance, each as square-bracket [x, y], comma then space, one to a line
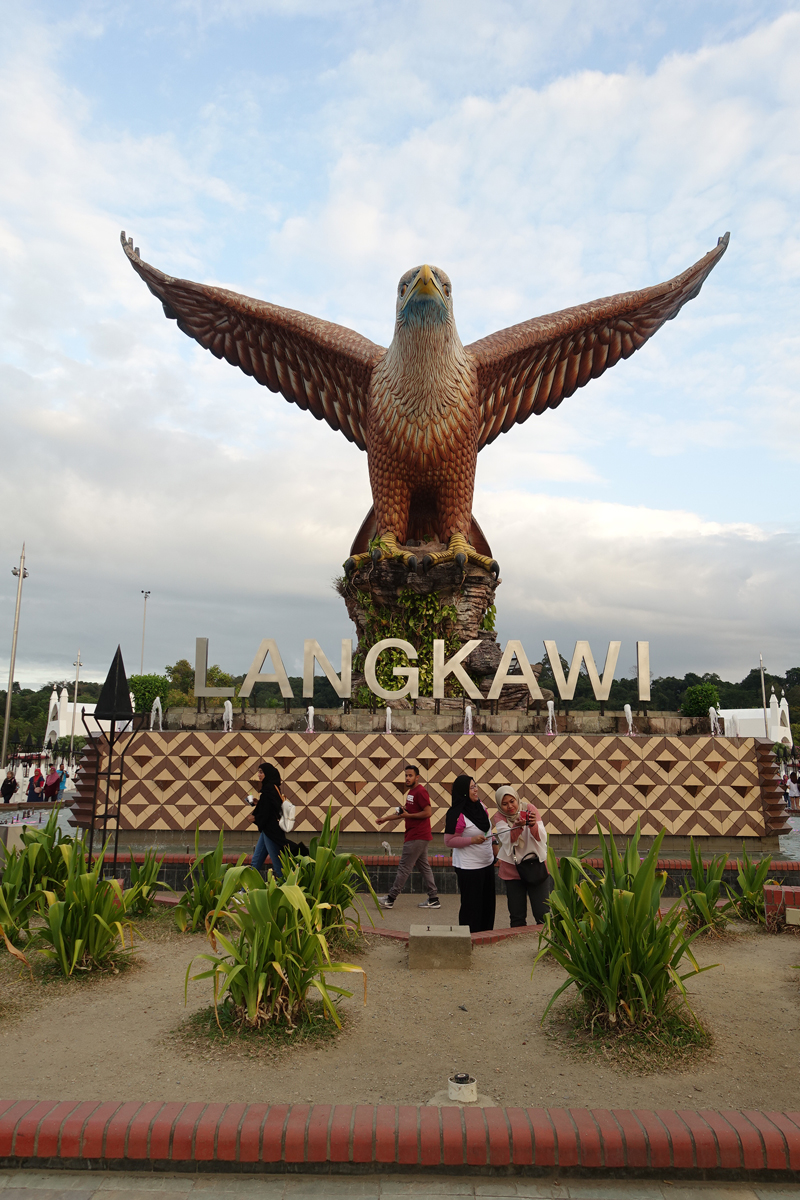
[266, 815]
[468, 835]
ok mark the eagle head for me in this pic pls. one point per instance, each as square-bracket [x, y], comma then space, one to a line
[424, 298]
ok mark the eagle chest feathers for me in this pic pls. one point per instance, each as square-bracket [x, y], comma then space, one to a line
[422, 413]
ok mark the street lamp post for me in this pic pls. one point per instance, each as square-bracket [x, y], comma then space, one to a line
[144, 622]
[77, 666]
[21, 574]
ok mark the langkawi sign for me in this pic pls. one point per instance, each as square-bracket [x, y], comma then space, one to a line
[442, 668]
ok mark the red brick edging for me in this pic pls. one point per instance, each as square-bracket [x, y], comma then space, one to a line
[363, 1138]
[487, 938]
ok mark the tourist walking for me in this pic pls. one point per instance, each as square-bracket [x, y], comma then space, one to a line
[8, 787]
[416, 813]
[467, 833]
[51, 784]
[266, 817]
[522, 857]
[794, 793]
[35, 787]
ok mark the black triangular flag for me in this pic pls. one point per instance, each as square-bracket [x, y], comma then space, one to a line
[29, 744]
[114, 703]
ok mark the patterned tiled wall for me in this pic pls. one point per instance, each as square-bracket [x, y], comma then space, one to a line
[691, 786]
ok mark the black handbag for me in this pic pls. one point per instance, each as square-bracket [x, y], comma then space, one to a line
[531, 870]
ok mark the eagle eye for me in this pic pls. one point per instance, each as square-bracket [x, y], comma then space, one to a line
[403, 287]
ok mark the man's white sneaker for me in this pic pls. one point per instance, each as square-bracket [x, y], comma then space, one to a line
[386, 902]
[434, 903]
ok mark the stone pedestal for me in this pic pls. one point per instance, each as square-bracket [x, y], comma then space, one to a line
[470, 590]
[439, 947]
[380, 590]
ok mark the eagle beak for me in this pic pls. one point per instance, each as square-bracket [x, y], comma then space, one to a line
[425, 287]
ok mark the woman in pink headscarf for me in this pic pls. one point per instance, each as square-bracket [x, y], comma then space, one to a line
[51, 783]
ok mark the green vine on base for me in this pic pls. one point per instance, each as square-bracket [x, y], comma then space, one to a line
[420, 620]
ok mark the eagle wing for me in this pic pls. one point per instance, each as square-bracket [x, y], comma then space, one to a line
[533, 366]
[314, 364]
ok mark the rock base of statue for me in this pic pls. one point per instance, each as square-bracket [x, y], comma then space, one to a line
[382, 594]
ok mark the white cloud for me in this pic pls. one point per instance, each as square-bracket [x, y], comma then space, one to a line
[132, 459]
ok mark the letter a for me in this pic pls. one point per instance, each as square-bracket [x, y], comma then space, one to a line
[502, 676]
[268, 647]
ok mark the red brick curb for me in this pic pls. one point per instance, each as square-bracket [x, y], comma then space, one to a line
[444, 860]
[487, 938]
[340, 1138]
[778, 898]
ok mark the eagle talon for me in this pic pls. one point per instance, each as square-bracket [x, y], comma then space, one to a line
[412, 562]
[427, 562]
[349, 567]
[376, 555]
[494, 568]
[461, 559]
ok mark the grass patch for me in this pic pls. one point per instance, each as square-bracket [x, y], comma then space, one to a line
[201, 1031]
[678, 1040]
[159, 926]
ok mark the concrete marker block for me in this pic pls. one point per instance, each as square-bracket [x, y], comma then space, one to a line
[439, 947]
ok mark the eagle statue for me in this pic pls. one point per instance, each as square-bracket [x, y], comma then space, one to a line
[424, 407]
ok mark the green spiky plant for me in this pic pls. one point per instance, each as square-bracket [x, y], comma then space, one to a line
[45, 864]
[702, 911]
[84, 919]
[146, 877]
[606, 930]
[331, 879]
[269, 949]
[16, 897]
[206, 876]
[748, 898]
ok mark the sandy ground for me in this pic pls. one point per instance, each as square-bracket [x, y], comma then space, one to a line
[114, 1039]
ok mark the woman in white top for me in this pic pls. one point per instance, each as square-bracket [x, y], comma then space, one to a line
[522, 835]
[793, 791]
[468, 834]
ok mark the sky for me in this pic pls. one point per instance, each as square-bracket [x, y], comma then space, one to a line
[308, 152]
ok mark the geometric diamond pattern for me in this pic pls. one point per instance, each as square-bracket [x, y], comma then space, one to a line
[691, 786]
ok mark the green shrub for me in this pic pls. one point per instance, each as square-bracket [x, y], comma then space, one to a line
[606, 930]
[206, 874]
[273, 954]
[16, 896]
[750, 879]
[145, 877]
[698, 699]
[84, 920]
[330, 879]
[701, 899]
[45, 865]
[145, 688]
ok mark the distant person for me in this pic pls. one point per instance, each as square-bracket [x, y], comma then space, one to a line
[51, 784]
[794, 793]
[266, 816]
[523, 852]
[468, 834]
[35, 787]
[8, 787]
[62, 783]
[416, 812]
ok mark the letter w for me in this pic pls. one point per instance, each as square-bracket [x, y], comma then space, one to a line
[566, 687]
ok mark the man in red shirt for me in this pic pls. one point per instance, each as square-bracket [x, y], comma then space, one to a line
[417, 815]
